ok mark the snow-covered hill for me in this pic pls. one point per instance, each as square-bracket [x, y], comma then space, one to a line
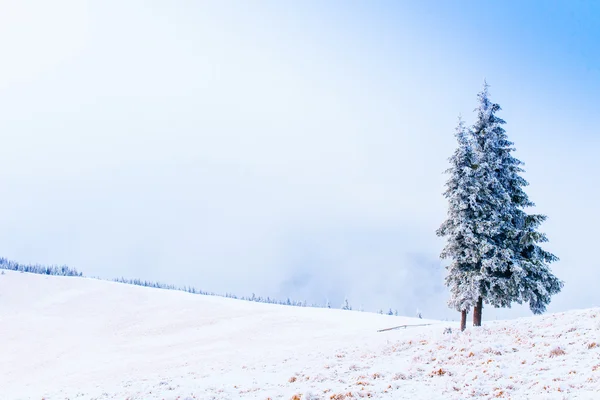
[76, 338]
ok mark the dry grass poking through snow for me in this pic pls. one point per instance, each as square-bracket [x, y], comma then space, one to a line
[548, 357]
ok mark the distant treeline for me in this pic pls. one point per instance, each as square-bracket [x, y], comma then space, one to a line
[66, 271]
[61, 270]
[191, 289]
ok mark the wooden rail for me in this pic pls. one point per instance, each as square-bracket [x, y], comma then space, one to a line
[401, 326]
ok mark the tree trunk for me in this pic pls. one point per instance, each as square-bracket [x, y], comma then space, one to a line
[477, 312]
[463, 320]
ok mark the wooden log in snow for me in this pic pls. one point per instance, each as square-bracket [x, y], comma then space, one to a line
[401, 326]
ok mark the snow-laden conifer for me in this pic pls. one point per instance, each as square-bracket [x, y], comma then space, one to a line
[493, 244]
[517, 270]
[459, 228]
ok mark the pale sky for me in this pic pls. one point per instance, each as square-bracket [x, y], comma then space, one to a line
[287, 149]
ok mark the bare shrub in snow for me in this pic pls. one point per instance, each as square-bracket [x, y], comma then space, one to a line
[557, 351]
[341, 396]
[489, 350]
[399, 376]
[439, 372]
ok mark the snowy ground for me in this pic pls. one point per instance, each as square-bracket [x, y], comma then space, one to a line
[75, 338]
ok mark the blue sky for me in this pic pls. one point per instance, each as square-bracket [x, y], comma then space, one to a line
[287, 148]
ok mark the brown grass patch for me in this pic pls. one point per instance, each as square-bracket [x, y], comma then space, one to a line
[439, 372]
[341, 396]
[489, 350]
[557, 351]
[399, 376]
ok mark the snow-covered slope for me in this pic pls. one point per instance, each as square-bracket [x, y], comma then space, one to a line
[68, 338]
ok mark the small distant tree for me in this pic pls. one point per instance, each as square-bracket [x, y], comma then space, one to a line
[346, 305]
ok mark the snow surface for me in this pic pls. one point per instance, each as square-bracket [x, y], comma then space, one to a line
[77, 338]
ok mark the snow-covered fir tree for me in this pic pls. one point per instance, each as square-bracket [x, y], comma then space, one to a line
[514, 267]
[462, 247]
[492, 242]
[346, 305]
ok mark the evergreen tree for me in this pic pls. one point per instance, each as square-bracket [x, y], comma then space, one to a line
[459, 228]
[495, 232]
[492, 242]
[515, 268]
[346, 305]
